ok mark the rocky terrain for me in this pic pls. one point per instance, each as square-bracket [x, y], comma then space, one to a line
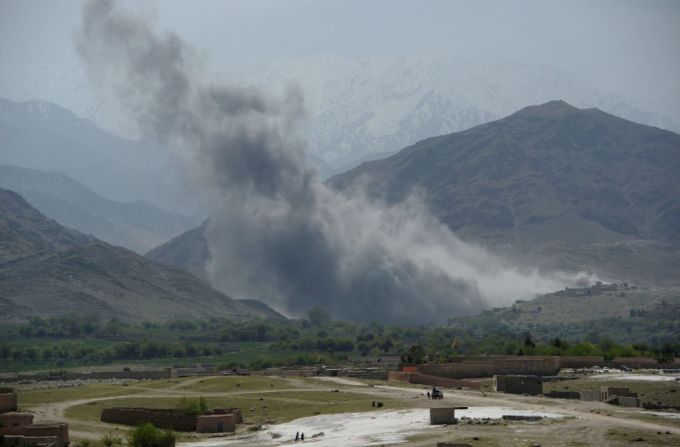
[553, 186]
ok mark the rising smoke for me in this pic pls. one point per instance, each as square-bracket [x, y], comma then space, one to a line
[276, 232]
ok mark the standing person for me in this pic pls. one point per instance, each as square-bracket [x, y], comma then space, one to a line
[428, 394]
[302, 437]
[297, 436]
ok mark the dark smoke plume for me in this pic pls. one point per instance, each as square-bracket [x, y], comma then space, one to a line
[276, 232]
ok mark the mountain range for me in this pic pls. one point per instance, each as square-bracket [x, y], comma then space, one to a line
[365, 108]
[551, 186]
[138, 226]
[44, 136]
[360, 108]
[47, 270]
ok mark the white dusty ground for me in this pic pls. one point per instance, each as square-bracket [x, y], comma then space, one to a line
[637, 377]
[361, 429]
[664, 414]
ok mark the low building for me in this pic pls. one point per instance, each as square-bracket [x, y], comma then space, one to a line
[444, 415]
[532, 385]
[18, 430]
[619, 396]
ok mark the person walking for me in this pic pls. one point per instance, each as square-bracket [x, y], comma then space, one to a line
[297, 436]
[302, 437]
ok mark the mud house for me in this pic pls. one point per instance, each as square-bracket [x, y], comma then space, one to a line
[444, 416]
[18, 430]
[619, 396]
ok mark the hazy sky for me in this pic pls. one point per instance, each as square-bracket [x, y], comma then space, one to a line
[626, 47]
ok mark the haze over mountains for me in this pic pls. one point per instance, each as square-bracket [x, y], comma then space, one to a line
[364, 108]
[551, 186]
[137, 226]
[48, 270]
[44, 136]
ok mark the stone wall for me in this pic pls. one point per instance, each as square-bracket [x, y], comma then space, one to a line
[236, 412]
[581, 361]
[634, 362]
[216, 423]
[58, 431]
[626, 401]
[8, 400]
[443, 382]
[15, 419]
[363, 374]
[590, 395]
[167, 373]
[442, 416]
[493, 365]
[175, 419]
[424, 379]
[531, 385]
[554, 394]
[28, 441]
[162, 418]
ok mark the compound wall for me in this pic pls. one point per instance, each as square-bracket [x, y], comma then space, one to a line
[531, 385]
[171, 419]
[8, 400]
[216, 423]
[538, 366]
[58, 431]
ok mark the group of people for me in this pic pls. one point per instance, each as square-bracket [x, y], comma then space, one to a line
[299, 437]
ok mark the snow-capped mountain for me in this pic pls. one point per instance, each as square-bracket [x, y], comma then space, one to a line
[365, 108]
[360, 107]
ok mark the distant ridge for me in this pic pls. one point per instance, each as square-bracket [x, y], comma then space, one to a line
[137, 226]
[49, 270]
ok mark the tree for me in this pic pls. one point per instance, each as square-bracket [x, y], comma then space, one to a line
[318, 316]
[415, 355]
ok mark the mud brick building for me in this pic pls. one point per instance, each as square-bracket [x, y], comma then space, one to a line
[18, 430]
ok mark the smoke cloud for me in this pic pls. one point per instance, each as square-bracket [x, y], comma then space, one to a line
[277, 233]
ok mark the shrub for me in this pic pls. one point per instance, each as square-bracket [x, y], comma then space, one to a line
[147, 435]
[109, 440]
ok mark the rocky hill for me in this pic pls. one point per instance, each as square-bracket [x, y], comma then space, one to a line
[551, 185]
[25, 232]
[48, 270]
[188, 251]
[138, 226]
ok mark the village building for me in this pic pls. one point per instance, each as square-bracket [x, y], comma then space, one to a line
[18, 430]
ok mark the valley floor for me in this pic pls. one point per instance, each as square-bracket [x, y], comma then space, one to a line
[269, 405]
